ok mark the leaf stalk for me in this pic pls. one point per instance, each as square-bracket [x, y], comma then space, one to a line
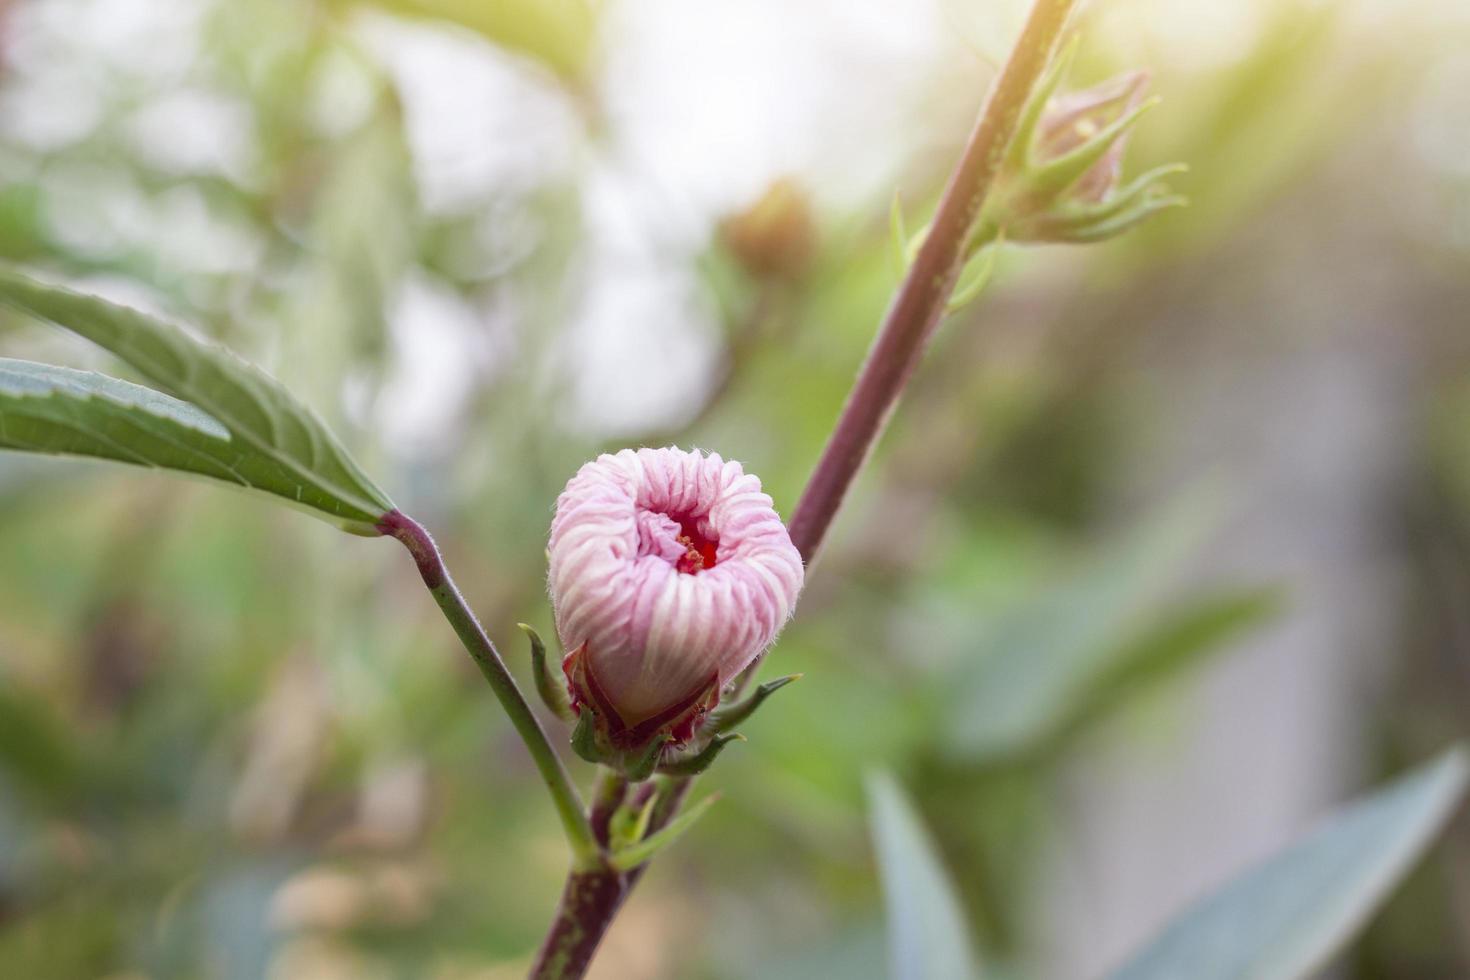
[586, 854]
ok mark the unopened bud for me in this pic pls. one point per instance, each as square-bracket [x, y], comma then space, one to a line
[776, 237]
[1071, 121]
[1061, 180]
[670, 573]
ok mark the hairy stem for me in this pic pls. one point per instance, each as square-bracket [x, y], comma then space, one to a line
[585, 852]
[919, 304]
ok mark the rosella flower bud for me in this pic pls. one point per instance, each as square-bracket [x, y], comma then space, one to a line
[1069, 121]
[776, 237]
[670, 574]
[1061, 180]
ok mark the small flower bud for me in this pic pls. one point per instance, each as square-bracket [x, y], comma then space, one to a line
[1070, 121]
[670, 573]
[1061, 180]
[776, 237]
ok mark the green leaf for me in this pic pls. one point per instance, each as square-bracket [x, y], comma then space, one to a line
[927, 935]
[1039, 662]
[1285, 919]
[239, 426]
[61, 410]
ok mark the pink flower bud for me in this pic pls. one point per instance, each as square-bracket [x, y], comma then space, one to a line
[1061, 179]
[1071, 120]
[670, 573]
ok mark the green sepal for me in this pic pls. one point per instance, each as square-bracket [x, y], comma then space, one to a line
[553, 694]
[724, 719]
[697, 762]
[584, 737]
[1062, 172]
[1145, 181]
[1140, 190]
[1121, 221]
[1020, 147]
[633, 855]
[1126, 207]
[635, 765]
[640, 767]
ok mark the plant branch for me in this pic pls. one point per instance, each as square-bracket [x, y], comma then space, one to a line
[585, 851]
[921, 299]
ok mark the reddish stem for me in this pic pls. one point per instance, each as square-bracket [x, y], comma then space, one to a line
[591, 899]
[588, 903]
[921, 299]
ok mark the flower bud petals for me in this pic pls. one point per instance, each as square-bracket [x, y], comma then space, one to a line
[670, 573]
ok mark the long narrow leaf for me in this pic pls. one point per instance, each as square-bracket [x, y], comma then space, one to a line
[927, 935]
[1285, 919]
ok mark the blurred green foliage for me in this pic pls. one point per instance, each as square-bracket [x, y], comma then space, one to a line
[234, 743]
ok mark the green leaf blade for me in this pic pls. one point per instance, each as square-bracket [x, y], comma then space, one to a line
[56, 410]
[1286, 918]
[928, 938]
[277, 445]
[64, 412]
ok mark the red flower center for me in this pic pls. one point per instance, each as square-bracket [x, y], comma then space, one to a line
[699, 551]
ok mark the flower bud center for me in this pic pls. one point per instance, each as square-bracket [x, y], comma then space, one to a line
[699, 551]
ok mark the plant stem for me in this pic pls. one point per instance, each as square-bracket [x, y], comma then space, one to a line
[585, 852]
[611, 790]
[592, 897]
[919, 304]
[588, 903]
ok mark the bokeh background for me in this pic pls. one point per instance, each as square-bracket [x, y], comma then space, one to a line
[1167, 551]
